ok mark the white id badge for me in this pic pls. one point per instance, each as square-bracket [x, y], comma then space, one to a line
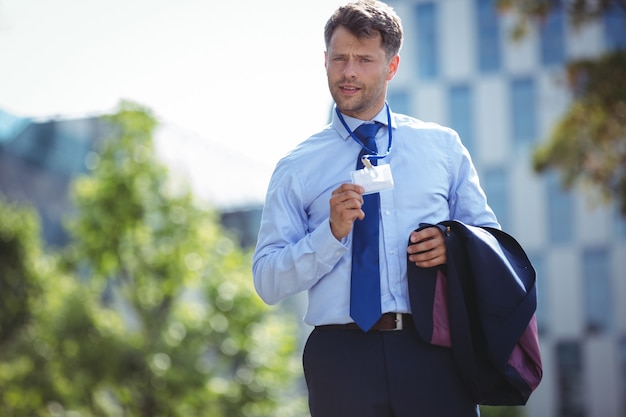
[373, 178]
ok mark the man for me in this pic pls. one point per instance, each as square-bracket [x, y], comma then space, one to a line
[313, 209]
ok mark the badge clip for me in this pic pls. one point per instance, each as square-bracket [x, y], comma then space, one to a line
[366, 162]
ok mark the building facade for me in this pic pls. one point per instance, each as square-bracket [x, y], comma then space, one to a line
[38, 162]
[40, 159]
[460, 67]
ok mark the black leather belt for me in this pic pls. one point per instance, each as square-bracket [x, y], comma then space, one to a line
[387, 322]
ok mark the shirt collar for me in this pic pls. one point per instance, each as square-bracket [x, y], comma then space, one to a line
[353, 123]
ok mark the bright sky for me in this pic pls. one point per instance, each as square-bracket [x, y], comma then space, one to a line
[214, 67]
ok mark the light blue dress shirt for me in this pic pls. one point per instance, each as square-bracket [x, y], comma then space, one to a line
[434, 180]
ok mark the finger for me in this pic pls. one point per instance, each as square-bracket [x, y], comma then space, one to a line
[427, 244]
[429, 255]
[430, 263]
[348, 187]
[424, 234]
[346, 201]
[345, 208]
[348, 210]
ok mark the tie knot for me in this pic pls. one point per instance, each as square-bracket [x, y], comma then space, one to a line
[366, 134]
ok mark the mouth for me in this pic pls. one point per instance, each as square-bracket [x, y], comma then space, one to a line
[349, 90]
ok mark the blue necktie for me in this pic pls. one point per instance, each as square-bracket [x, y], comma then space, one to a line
[365, 307]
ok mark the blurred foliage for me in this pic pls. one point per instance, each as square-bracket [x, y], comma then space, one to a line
[19, 253]
[579, 11]
[162, 320]
[489, 411]
[588, 145]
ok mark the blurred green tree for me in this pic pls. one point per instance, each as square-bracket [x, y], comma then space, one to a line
[163, 320]
[580, 12]
[489, 411]
[23, 385]
[34, 365]
[19, 251]
[588, 145]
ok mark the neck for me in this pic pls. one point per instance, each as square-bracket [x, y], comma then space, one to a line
[365, 116]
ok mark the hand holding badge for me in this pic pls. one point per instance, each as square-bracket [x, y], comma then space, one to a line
[373, 178]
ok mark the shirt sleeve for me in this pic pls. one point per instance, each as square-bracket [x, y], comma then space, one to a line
[289, 257]
[467, 200]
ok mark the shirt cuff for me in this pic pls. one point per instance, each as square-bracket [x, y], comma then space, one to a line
[328, 248]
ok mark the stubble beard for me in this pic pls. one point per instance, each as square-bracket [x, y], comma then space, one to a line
[359, 104]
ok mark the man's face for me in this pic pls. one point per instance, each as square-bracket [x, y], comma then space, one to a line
[358, 71]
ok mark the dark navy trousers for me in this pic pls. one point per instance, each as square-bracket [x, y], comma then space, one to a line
[350, 373]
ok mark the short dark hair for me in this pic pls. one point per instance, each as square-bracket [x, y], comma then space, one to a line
[365, 17]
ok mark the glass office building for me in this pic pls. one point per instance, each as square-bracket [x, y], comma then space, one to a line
[460, 67]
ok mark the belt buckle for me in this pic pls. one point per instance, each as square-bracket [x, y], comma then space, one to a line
[399, 323]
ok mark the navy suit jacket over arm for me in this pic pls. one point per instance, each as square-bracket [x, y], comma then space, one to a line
[482, 305]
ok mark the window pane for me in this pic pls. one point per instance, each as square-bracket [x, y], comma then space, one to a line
[488, 36]
[570, 379]
[427, 41]
[619, 223]
[560, 212]
[553, 37]
[461, 116]
[615, 27]
[597, 281]
[496, 187]
[523, 99]
[622, 361]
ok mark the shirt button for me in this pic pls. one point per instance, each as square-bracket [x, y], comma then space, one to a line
[388, 212]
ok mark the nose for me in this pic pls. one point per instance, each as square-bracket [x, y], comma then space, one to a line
[349, 69]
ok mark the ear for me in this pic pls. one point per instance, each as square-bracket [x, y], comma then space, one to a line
[392, 67]
[326, 60]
